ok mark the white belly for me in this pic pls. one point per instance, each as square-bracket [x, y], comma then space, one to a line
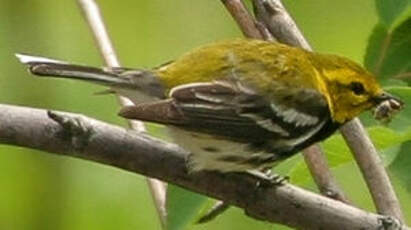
[207, 152]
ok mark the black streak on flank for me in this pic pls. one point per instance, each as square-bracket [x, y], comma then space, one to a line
[211, 149]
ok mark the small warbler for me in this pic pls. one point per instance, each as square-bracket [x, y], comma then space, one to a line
[242, 104]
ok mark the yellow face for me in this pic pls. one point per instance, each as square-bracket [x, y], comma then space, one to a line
[350, 89]
[351, 92]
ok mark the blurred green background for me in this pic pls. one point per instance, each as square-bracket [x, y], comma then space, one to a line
[43, 191]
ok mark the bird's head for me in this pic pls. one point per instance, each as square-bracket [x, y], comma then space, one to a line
[352, 90]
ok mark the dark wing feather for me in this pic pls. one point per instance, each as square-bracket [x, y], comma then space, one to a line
[229, 110]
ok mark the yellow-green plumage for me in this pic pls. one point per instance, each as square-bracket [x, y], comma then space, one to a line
[266, 66]
[254, 60]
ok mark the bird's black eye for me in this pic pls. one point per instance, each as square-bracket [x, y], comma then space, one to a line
[357, 87]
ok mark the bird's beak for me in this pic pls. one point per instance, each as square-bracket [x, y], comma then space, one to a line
[387, 97]
[386, 106]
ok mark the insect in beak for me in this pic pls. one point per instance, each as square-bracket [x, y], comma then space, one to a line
[387, 106]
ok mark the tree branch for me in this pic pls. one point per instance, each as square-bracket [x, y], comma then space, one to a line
[372, 168]
[319, 169]
[243, 18]
[86, 138]
[97, 26]
[279, 22]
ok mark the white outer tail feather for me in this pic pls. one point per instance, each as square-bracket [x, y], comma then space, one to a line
[27, 59]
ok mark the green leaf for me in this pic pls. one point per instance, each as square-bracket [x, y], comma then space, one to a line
[183, 207]
[374, 48]
[391, 10]
[389, 52]
[401, 166]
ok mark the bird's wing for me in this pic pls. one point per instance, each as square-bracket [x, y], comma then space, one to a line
[233, 111]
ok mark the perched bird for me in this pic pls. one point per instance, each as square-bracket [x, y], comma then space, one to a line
[242, 104]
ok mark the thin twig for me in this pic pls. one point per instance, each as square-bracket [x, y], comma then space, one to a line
[372, 168]
[284, 29]
[404, 75]
[218, 208]
[243, 18]
[139, 153]
[95, 21]
[277, 20]
[97, 26]
[318, 166]
[265, 32]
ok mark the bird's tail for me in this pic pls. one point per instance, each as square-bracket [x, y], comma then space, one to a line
[118, 79]
[41, 66]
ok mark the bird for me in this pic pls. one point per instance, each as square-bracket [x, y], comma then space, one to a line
[241, 104]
